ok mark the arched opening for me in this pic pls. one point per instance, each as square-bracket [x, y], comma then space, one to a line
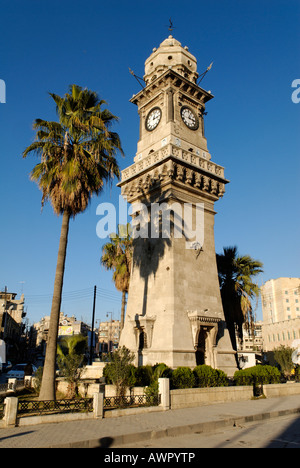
[201, 347]
[142, 340]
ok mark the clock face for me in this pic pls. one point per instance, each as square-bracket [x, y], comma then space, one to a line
[189, 117]
[153, 119]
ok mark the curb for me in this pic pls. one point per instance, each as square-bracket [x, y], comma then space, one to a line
[200, 428]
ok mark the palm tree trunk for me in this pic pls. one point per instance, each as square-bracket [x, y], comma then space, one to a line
[123, 309]
[48, 390]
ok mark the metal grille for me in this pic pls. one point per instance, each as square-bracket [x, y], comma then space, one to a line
[2, 407]
[3, 387]
[131, 401]
[36, 407]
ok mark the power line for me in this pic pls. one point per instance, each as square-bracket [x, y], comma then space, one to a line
[71, 296]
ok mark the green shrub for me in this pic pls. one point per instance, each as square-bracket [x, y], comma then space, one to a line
[156, 372]
[161, 370]
[257, 375]
[206, 376]
[182, 377]
[143, 376]
[120, 371]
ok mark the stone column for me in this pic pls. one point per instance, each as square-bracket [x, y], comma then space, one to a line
[98, 405]
[164, 391]
[11, 411]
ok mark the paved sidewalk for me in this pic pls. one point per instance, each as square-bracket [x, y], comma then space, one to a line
[114, 432]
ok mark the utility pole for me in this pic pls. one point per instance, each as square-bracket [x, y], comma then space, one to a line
[93, 322]
[5, 313]
[110, 333]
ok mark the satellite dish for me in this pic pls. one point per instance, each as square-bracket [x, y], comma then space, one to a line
[295, 344]
[296, 353]
[296, 357]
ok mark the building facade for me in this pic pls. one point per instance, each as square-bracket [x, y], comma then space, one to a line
[68, 326]
[109, 335]
[11, 316]
[281, 312]
[251, 348]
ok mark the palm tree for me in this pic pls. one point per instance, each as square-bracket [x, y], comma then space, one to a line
[238, 289]
[70, 359]
[78, 155]
[117, 256]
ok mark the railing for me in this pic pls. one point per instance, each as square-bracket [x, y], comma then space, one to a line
[3, 388]
[12, 386]
[2, 398]
[36, 407]
[131, 401]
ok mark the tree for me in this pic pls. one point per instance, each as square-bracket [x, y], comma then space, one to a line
[118, 371]
[117, 256]
[70, 360]
[283, 357]
[78, 155]
[238, 289]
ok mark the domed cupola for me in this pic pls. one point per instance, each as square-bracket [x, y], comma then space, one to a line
[171, 55]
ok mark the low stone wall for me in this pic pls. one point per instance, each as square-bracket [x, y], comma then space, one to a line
[86, 389]
[280, 390]
[191, 397]
[110, 391]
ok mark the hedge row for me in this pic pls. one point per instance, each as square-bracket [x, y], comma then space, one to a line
[182, 377]
[257, 375]
[201, 376]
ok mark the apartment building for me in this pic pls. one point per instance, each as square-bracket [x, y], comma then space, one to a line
[109, 335]
[11, 315]
[281, 312]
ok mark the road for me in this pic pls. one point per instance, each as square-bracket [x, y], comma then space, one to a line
[283, 432]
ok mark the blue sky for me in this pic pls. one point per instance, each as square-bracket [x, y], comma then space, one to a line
[252, 128]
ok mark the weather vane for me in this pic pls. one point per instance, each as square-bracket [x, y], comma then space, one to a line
[171, 27]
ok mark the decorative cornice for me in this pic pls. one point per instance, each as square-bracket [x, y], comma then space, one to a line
[198, 316]
[173, 164]
[178, 81]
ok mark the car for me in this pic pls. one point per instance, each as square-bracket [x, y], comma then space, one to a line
[6, 367]
[18, 372]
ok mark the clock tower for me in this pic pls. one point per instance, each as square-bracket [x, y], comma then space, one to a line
[174, 311]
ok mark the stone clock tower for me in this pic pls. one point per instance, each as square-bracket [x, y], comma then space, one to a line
[174, 311]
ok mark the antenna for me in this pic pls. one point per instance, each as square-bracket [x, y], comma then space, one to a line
[204, 73]
[136, 77]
